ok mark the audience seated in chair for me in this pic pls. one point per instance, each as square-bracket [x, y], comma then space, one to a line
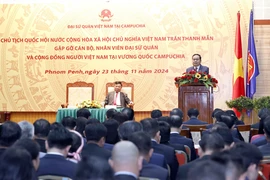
[42, 129]
[58, 144]
[265, 149]
[112, 131]
[193, 114]
[150, 126]
[110, 113]
[27, 129]
[260, 139]
[226, 135]
[216, 114]
[16, 164]
[95, 135]
[10, 132]
[260, 114]
[175, 122]
[94, 167]
[143, 143]
[69, 122]
[126, 161]
[80, 125]
[209, 144]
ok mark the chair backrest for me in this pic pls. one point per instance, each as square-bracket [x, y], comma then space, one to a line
[244, 131]
[127, 88]
[181, 157]
[185, 132]
[253, 132]
[79, 91]
[188, 152]
[196, 132]
[53, 177]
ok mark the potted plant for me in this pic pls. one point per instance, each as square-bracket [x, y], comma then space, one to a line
[241, 104]
[262, 102]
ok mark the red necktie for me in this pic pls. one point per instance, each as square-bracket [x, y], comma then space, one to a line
[114, 102]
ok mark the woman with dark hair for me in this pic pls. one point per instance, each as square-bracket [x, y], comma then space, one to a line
[80, 125]
[263, 116]
[75, 150]
[16, 164]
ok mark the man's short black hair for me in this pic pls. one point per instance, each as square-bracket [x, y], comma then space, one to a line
[175, 121]
[112, 131]
[118, 82]
[215, 111]
[94, 132]
[156, 113]
[150, 126]
[197, 55]
[193, 112]
[165, 131]
[211, 141]
[41, 128]
[69, 122]
[10, 132]
[80, 125]
[226, 135]
[142, 141]
[178, 112]
[59, 137]
[129, 112]
[110, 112]
[30, 145]
[120, 117]
[83, 112]
[228, 120]
[127, 128]
[92, 121]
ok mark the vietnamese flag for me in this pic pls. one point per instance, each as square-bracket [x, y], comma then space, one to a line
[238, 73]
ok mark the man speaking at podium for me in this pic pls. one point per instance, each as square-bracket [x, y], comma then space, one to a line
[117, 97]
[196, 61]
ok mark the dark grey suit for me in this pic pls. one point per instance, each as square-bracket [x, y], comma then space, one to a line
[201, 69]
[124, 100]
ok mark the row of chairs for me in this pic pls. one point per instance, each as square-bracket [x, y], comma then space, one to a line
[79, 91]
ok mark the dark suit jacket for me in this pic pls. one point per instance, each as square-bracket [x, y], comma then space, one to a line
[153, 171]
[201, 69]
[265, 149]
[124, 177]
[260, 141]
[41, 143]
[180, 147]
[169, 154]
[124, 100]
[159, 160]
[108, 146]
[92, 149]
[183, 170]
[194, 121]
[176, 138]
[2, 150]
[52, 164]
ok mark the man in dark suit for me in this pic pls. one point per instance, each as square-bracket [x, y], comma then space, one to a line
[143, 143]
[265, 149]
[126, 161]
[95, 135]
[117, 97]
[193, 114]
[175, 122]
[150, 126]
[209, 144]
[196, 61]
[54, 162]
[41, 131]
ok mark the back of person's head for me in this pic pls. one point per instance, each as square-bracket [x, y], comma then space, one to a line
[232, 114]
[110, 112]
[112, 131]
[228, 120]
[95, 132]
[94, 168]
[212, 142]
[164, 118]
[69, 122]
[178, 112]
[165, 131]
[233, 164]
[226, 135]
[263, 119]
[32, 147]
[207, 170]
[129, 112]
[267, 127]
[156, 113]
[175, 121]
[80, 125]
[263, 111]
[92, 121]
[193, 112]
[142, 141]
[215, 111]
[127, 128]
[56, 125]
[27, 129]
[219, 124]
[16, 164]
[59, 138]
[10, 132]
[42, 128]
[120, 117]
[76, 146]
[218, 115]
[150, 126]
[83, 112]
[125, 156]
[249, 152]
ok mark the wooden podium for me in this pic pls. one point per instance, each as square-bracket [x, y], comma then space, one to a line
[196, 96]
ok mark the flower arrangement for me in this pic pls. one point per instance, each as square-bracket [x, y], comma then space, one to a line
[89, 104]
[196, 77]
